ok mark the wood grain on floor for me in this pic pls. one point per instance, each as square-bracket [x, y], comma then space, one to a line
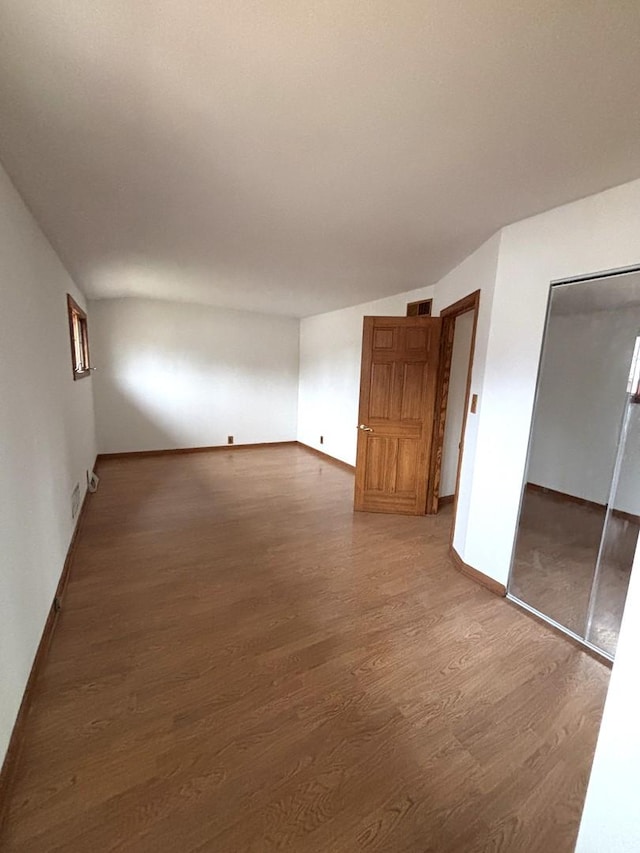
[244, 664]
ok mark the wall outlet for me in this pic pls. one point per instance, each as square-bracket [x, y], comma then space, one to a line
[321, 439]
[75, 500]
[229, 439]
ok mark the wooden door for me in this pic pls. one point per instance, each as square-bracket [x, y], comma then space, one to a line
[395, 422]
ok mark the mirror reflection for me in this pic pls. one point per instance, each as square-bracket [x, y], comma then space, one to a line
[580, 512]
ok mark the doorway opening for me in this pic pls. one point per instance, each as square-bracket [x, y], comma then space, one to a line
[453, 402]
[414, 398]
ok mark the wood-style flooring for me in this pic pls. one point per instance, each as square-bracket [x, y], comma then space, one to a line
[244, 664]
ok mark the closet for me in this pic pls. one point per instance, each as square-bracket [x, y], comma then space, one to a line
[580, 509]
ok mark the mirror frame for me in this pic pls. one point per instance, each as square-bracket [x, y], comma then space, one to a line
[606, 274]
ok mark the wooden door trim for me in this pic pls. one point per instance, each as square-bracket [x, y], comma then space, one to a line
[471, 302]
[467, 303]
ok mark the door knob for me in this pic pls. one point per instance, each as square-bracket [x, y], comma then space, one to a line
[365, 428]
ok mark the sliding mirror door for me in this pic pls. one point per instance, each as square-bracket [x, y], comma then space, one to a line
[620, 536]
[580, 511]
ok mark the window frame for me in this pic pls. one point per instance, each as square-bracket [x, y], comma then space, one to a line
[79, 338]
[413, 308]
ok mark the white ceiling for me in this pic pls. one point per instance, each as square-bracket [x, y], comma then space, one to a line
[295, 157]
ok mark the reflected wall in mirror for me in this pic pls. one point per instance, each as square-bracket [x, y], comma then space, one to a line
[580, 511]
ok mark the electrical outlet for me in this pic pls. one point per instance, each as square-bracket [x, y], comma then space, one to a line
[321, 439]
[229, 439]
[75, 500]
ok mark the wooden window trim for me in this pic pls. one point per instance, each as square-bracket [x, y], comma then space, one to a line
[81, 368]
[413, 308]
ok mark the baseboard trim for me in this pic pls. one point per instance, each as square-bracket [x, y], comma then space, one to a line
[563, 496]
[326, 456]
[446, 499]
[479, 577]
[137, 454]
[14, 749]
[140, 454]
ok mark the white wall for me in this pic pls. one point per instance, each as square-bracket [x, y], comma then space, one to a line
[176, 375]
[610, 819]
[455, 401]
[594, 234]
[329, 388]
[580, 405]
[47, 441]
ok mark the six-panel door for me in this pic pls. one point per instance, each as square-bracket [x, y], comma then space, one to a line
[395, 425]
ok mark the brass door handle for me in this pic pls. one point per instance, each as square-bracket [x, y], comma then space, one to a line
[365, 428]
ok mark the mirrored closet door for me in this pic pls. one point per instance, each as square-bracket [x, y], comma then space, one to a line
[580, 511]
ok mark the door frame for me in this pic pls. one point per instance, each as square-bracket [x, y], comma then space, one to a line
[471, 302]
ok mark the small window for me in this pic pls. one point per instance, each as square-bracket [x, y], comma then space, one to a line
[419, 309]
[79, 339]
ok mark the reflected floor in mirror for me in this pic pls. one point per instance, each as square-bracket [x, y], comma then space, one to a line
[555, 559]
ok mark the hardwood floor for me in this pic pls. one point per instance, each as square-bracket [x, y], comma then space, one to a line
[244, 664]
